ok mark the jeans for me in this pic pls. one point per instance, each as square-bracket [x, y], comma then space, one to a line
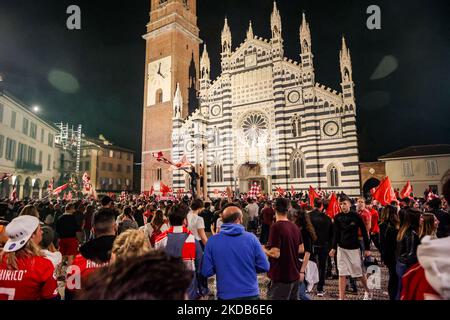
[265, 228]
[320, 256]
[283, 291]
[302, 295]
[401, 270]
[393, 280]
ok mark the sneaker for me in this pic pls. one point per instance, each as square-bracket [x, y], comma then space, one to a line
[367, 296]
[320, 293]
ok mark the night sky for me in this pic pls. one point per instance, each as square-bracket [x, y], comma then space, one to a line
[95, 76]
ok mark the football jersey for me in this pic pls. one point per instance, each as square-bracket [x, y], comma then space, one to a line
[33, 280]
[79, 270]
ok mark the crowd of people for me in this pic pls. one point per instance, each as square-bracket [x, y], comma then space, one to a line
[141, 248]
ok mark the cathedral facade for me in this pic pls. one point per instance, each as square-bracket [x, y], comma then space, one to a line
[266, 119]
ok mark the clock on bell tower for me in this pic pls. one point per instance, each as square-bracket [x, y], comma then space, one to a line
[172, 55]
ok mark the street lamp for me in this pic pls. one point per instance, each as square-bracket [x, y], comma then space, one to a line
[36, 108]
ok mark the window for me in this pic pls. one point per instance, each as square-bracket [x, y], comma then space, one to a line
[128, 169]
[298, 166]
[333, 176]
[2, 108]
[50, 139]
[103, 166]
[13, 119]
[119, 154]
[407, 169]
[49, 161]
[2, 142]
[25, 126]
[33, 130]
[87, 166]
[217, 173]
[159, 96]
[216, 137]
[111, 154]
[42, 135]
[22, 153]
[159, 174]
[40, 158]
[119, 168]
[128, 156]
[432, 169]
[31, 158]
[110, 167]
[296, 126]
[127, 182]
[10, 149]
[119, 183]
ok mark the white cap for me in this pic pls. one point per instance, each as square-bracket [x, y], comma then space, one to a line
[19, 231]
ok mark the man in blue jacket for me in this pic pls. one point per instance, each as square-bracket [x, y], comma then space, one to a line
[235, 256]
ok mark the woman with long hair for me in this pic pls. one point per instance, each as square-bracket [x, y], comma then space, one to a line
[25, 274]
[428, 225]
[407, 243]
[154, 228]
[129, 244]
[127, 220]
[309, 236]
[388, 243]
[29, 210]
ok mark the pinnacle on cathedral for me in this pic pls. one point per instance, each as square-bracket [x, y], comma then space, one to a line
[205, 64]
[250, 34]
[275, 21]
[305, 35]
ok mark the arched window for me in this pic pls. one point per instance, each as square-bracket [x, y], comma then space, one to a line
[296, 126]
[298, 165]
[159, 96]
[217, 173]
[216, 137]
[333, 176]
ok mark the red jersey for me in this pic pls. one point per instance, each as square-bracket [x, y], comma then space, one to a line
[33, 280]
[416, 287]
[79, 270]
[366, 217]
[374, 228]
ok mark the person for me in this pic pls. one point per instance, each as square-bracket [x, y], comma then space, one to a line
[155, 227]
[126, 220]
[309, 236]
[94, 254]
[179, 241]
[388, 243]
[29, 210]
[347, 225]
[374, 230]
[47, 247]
[67, 228]
[128, 245]
[407, 242]
[253, 211]
[442, 216]
[323, 226]
[88, 216]
[24, 273]
[235, 256]
[107, 202]
[268, 216]
[196, 224]
[284, 245]
[428, 226]
[207, 216]
[194, 177]
[130, 280]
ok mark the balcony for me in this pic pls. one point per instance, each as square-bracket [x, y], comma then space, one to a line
[25, 166]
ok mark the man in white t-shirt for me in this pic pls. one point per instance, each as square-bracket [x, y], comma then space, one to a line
[253, 211]
[196, 224]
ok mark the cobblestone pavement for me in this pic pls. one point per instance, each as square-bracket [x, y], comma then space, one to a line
[331, 287]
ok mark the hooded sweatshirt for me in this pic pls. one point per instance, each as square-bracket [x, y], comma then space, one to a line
[235, 256]
[430, 278]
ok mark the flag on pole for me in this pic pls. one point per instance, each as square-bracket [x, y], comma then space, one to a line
[160, 158]
[292, 190]
[60, 188]
[406, 191]
[165, 190]
[182, 164]
[312, 195]
[13, 196]
[255, 190]
[333, 206]
[385, 193]
[51, 185]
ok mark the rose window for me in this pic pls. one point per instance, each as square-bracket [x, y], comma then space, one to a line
[254, 128]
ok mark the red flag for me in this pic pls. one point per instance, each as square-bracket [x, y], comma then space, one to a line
[385, 193]
[406, 191]
[164, 189]
[61, 188]
[292, 190]
[280, 191]
[13, 196]
[69, 196]
[312, 195]
[333, 206]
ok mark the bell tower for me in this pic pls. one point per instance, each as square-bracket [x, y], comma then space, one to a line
[172, 58]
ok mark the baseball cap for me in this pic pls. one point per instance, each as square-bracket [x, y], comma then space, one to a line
[19, 231]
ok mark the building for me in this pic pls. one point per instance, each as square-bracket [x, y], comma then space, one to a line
[265, 118]
[27, 149]
[109, 166]
[372, 173]
[424, 166]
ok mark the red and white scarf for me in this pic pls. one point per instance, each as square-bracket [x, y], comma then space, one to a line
[188, 250]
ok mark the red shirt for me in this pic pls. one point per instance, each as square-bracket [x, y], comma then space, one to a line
[366, 217]
[374, 228]
[267, 216]
[415, 286]
[33, 280]
[80, 269]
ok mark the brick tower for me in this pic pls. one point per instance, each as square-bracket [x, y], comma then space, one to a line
[172, 55]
